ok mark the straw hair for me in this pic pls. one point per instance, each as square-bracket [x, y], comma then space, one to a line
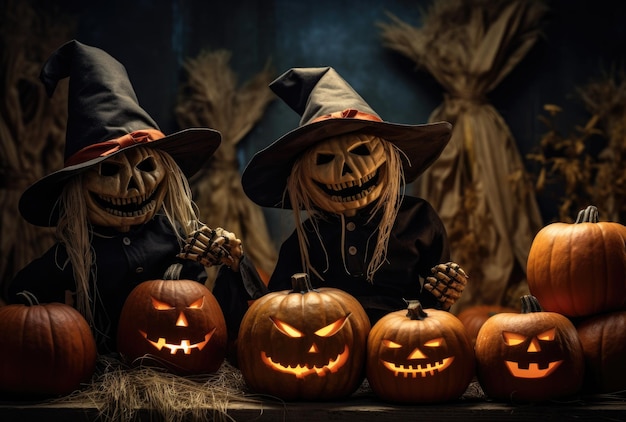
[389, 203]
[75, 232]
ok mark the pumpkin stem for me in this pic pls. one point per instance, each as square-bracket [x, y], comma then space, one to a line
[301, 283]
[173, 272]
[588, 215]
[30, 297]
[530, 304]
[415, 310]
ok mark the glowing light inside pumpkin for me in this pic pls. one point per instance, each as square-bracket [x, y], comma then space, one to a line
[530, 369]
[183, 345]
[415, 369]
[301, 370]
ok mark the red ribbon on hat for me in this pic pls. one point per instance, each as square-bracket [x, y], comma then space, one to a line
[348, 113]
[105, 148]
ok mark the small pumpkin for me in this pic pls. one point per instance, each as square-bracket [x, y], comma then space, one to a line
[173, 323]
[45, 349]
[417, 356]
[579, 269]
[529, 356]
[474, 317]
[304, 343]
[603, 338]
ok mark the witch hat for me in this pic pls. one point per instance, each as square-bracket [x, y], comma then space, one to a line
[328, 107]
[104, 119]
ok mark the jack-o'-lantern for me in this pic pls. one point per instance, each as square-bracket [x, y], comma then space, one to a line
[418, 356]
[172, 323]
[344, 172]
[126, 189]
[579, 269]
[45, 349]
[304, 343]
[529, 356]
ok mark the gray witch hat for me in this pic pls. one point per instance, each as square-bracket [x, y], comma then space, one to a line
[104, 119]
[328, 107]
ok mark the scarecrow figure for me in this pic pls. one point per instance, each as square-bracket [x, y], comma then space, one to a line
[345, 169]
[121, 205]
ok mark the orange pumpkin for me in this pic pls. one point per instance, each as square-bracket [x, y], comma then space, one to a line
[45, 349]
[579, 269]
[475, 316]
[172, 323]
[417, 356]
[304, 343]
[603, 338]
[529, 356]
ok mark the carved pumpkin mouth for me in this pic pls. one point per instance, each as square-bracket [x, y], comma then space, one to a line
[126, 207]
[183, 345]
[532, 369]
[415, 370]
[302, 370]
[352, 190]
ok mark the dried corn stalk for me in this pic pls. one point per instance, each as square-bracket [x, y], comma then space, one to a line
[589, 164]
[210, 98]
[32, 127]
[479, 185]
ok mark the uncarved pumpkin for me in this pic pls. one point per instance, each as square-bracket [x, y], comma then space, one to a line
[172, 323]
[419, 356]
[603, 338]
[579, 269]
[529, 356]
[475, 316]
[45, 349]
[304, 343]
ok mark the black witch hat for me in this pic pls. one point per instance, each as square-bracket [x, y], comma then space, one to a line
[104, 119]
[329, 106]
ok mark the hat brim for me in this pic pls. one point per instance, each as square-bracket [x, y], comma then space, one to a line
[264, 178]
[190, 148]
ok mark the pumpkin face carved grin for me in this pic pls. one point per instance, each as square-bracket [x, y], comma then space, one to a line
[183, 345]
[351, 190]
[418, 369]
[126, 207]
[302, 370]
[533, 370]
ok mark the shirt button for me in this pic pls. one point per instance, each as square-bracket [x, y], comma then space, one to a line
[126, 241]
[139, 270]
[351, 226]
[352, 250]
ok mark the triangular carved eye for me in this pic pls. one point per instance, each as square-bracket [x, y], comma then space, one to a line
[161, 306]
[331, 329]
[512, 339]
[197, 304]
[361, 149]
[286, 329]
[436, 342]
[547, 335]
[391, 344]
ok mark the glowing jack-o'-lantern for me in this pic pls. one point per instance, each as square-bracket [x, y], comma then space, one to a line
[126, 189]
[303, 343]
[529, 356]
[176, 324]
[344, 172]
[418, 356]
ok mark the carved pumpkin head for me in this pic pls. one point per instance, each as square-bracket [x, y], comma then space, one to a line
[177, 324]
[343, 173]
[532, 355]
[303, 343]
[126, 189]
[419, 356]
